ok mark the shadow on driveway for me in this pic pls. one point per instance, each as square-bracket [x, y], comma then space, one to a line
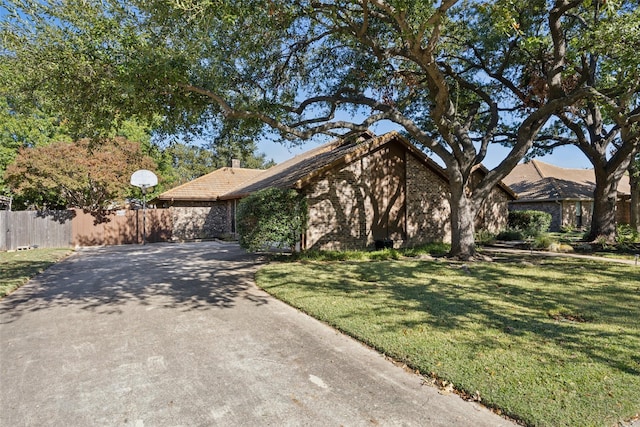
[168, 334]
[185, 277]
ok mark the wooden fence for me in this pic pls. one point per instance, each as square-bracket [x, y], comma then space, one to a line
[69, 228]
[48, 229]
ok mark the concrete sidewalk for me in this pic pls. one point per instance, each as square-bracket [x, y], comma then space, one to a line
[169, 335]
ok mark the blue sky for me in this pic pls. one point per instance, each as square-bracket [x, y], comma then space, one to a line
[566, 157]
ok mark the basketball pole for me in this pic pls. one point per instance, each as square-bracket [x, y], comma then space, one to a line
[144, 215]
[144, 179]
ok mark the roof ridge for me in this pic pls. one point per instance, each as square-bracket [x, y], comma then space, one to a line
[555, 186]
[534, 162]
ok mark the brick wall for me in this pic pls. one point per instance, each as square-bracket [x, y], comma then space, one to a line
[356, 204]
[494, 213]
[569, 215]
[623, 210]
[389, 194]
[428, 208]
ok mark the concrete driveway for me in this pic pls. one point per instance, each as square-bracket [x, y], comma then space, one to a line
[178, 335]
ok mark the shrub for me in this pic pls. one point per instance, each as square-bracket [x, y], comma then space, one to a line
[385, 254]
[271, 218]
[569, 228]
[485, 237]
[510, 234]
[625, 235]
[531, 223]
[543, 241]
[433, 248]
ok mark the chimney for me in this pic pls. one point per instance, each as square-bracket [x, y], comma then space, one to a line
[235, 163]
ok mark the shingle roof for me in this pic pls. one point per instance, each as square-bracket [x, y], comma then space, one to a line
[234, 183]
[295, 172]
[211, 186]
[538, 180]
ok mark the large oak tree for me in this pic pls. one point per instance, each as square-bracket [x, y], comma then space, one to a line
[452, 74]
[606, 125]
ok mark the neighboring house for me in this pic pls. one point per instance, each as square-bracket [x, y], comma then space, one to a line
[367, 189]
[566, 194]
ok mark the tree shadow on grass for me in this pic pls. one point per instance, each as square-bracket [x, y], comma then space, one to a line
[186, 277]
[514, 302]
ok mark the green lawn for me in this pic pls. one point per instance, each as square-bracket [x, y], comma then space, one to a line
[18, 267]
[550, 342]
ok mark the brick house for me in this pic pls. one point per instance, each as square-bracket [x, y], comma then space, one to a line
[369, 189]
[566, 194]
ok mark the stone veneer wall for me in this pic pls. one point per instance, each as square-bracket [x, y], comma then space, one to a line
[205, 220]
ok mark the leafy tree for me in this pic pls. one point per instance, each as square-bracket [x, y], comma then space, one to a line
[272, 217]
[605, 126]
[452, 74]
[634, 181]
[78, 174]
[21, 129]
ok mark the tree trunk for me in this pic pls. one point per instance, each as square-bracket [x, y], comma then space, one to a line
[462, 224]
[634, 182]
[603, 222]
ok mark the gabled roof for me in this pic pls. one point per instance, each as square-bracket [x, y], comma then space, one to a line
[296, 172]
[300, 170]
[211, 186]
[537, 180]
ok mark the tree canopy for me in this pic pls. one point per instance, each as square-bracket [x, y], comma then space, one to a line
[454, 75]
[76, 174]
[606, 126]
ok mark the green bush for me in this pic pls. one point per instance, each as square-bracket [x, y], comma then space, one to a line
[531, 223]
[434, 248]
[625, 235]
[485, 237]
[271, 218]
[569, 228]
[385, 254]
[510, 234]
[543, 241]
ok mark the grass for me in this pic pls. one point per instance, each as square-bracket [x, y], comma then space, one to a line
[435, 249]
[616, 255]
[16, 268]
[549, 342]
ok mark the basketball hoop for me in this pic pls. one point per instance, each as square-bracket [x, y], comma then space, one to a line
[145, 180]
